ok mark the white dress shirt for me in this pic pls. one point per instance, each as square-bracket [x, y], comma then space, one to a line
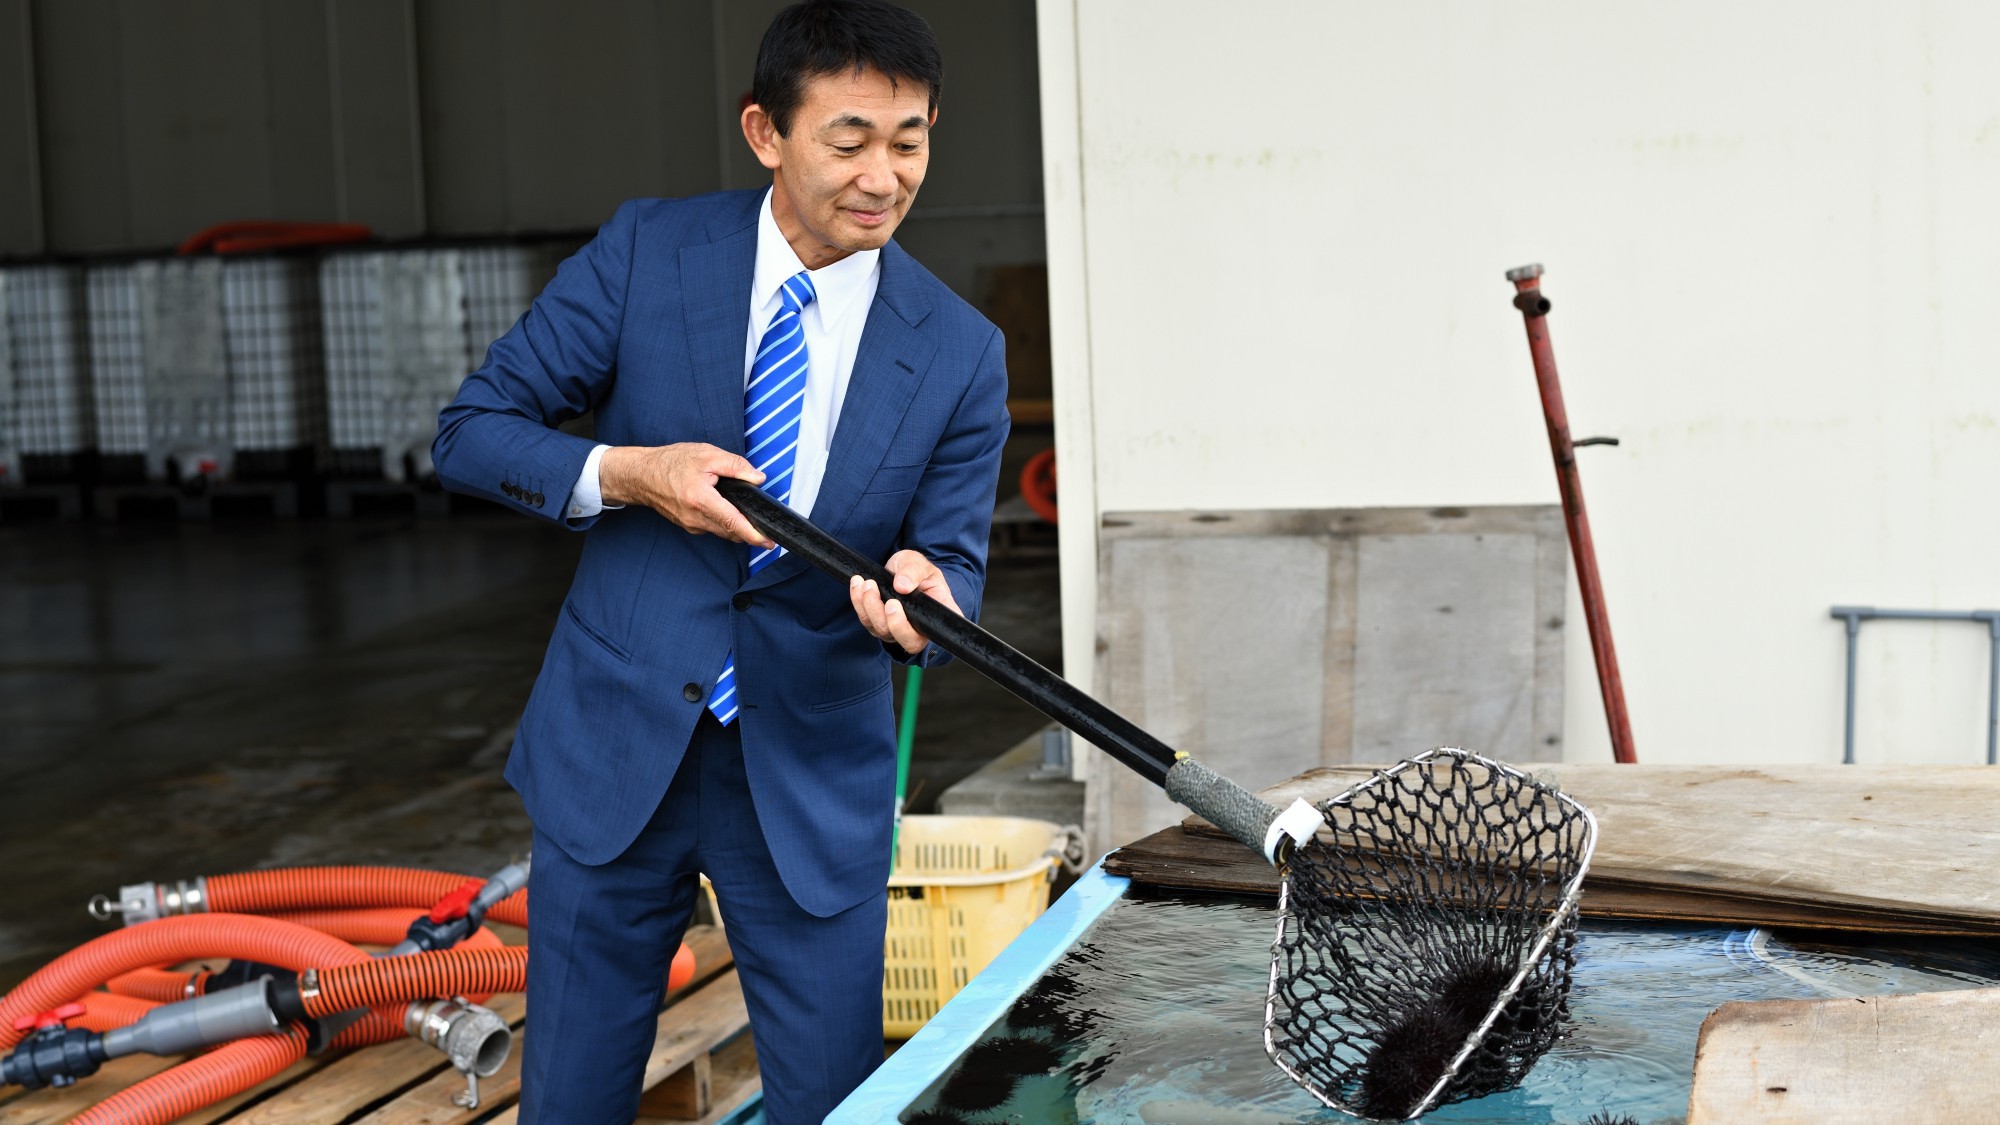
[833, 324]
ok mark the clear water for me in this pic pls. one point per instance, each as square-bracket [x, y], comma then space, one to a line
[1156, 1017]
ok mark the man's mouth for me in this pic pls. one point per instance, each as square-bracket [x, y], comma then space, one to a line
[869, 218]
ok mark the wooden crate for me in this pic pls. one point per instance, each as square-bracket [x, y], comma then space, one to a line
[702, 1067]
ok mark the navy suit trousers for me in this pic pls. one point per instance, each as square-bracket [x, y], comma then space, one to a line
[601, 938]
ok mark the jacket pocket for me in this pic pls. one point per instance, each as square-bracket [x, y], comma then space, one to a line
[591, 631]
[851, 700]
[891, 479]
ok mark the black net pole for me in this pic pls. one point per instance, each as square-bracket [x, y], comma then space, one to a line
[1004, 664]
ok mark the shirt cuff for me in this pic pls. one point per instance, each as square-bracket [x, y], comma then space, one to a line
[587, 498]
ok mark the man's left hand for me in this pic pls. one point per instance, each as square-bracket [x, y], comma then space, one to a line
[880, 611]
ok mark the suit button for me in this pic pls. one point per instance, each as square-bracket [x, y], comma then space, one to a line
[506, 489]
[538, 499]
[742, 601]
[691, 693]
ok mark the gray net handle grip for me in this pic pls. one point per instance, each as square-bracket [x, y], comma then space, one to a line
[1241, 813]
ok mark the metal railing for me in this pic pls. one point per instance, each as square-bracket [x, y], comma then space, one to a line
[1854, 615]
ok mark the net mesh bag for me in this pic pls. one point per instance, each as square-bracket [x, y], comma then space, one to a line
[1427, 935]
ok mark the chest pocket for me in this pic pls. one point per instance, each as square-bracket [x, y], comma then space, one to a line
[891, 479]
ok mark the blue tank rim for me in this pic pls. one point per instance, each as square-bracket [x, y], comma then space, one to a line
[921, 1061]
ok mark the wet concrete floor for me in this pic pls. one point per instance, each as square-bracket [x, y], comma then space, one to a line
[190, 699]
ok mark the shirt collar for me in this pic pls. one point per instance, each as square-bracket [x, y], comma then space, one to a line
[836, 286]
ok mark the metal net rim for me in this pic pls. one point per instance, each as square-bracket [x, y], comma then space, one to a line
[1565, 911]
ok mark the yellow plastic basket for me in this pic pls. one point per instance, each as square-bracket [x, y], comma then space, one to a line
[964, 886]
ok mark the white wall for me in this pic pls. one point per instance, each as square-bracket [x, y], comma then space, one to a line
[1772, 233]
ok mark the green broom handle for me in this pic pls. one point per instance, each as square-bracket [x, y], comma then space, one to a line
[906, 738]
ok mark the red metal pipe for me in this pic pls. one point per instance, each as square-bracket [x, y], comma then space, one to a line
[1534, 310]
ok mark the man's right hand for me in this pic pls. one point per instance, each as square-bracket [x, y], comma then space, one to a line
[678, 481]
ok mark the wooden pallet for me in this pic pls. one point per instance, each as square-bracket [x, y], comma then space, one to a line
[703, 1067]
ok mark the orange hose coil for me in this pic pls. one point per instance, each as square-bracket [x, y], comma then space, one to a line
[162, 985]
[302, 933]
[381, 925]
[324, 888]
[449, 972]
[103, 1011]
[384, 925]
[380, 1025]
[201, 1081]
[168, 941]
[375, 925]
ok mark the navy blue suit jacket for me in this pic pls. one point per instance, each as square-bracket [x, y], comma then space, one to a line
[646, 326]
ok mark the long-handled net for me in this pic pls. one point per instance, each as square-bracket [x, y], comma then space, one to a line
[1426, 936]
[1427, 922]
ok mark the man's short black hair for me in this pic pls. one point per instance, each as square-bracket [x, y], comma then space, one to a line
[821, 37]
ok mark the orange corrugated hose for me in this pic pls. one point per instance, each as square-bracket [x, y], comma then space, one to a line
[162, 985]
[297, 919]
[379, 925]
[103, 1011]
[380, 1025]
[447, 972]
[384, 925]
[167, 941]
[198, 1082]
[235, 1067]
[326, 888]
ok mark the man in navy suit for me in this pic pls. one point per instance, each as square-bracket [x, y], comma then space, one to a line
[709, 704]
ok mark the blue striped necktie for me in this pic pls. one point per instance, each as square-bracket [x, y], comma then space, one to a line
[773, 404]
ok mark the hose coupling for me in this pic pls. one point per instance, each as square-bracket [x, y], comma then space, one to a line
[143, 902]
[204, 1021]
[475, 1038]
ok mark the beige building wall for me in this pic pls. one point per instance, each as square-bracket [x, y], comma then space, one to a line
[1276, 238]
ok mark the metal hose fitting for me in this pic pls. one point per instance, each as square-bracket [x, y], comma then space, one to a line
[143, 902]
[474, 1038]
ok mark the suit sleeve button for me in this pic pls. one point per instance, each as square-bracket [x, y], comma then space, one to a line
[538, 499]
[742, 601]
[691, 693]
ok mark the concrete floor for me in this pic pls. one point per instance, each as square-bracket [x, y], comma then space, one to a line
[189, 699]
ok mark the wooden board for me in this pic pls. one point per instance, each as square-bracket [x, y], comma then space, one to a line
[734, 1079]
[1905, 849]
[408, 1083]
[1922, 1058]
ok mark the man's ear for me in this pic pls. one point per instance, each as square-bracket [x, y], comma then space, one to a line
[762, 134]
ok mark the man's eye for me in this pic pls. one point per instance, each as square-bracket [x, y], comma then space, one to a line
[909, 148]
[847, 150]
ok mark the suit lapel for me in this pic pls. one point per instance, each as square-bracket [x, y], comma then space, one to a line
[888, 368]
[715, 308]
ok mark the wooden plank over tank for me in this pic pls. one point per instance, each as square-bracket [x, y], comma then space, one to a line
[1889, 848]
[1849, 1061]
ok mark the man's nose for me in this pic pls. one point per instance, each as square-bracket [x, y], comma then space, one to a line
[877, 176]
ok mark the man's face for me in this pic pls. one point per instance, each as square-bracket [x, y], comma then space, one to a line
[846, 176]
